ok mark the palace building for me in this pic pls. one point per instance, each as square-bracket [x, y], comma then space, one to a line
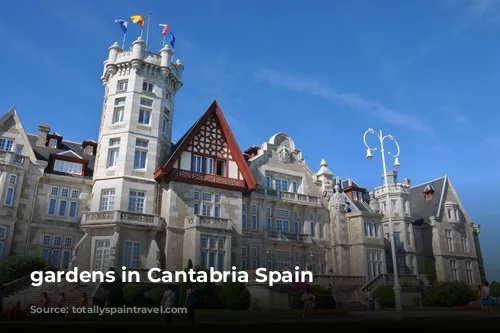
[134, 198]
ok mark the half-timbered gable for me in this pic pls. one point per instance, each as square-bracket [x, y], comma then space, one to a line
[209, 155]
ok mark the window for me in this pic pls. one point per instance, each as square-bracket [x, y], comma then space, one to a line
[6, 144]
[208, 202]
[71, 168]
[371, 229]
[284, 259]
[113, 153]
[196, 164]
[449, 240]
[468, 270]
[281, 185]
[244, 216]
[11, 190]
[244, 258]
[454, 270]
[409, 234]
[374, 264]
[413, 269]
[393, 205]
[255, 220]
[321, 231]
[465, 243]
[384, 207]
[269, 218]
[122, 85]
[269, 183]
[169, 97]
[141, 154]
[3, 238]
[120, 101]
[147, 102]
[255, 257]
[295, 188]
[118, 115]
[63, 202]
[107, 200]
[19, 149]
[89, 150]
[132, 255]
[147, 86]
[56, 250]
[209, 166]
[212, 252]
[401, 265]
[453, 214]
[221, 168]
[313, 229]
[282, 225]
[53, 143]
[136, 201]
[144, 116]
[165, 121]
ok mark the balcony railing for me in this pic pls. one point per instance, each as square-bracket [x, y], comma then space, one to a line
[288, 196]
[194, 221]
[178, 173]
[12, 158]
[288, 237]
[122, 217]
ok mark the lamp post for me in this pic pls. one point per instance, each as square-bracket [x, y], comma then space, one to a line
[369, 156]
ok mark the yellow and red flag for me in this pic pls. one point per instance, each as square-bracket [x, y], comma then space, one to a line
[138, 19]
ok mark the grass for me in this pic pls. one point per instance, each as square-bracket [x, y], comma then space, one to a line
[209, 315]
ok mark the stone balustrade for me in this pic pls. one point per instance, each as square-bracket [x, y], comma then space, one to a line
[288, 237]
[12, 158]
[194, 221]
[123, 218]
[288, 196]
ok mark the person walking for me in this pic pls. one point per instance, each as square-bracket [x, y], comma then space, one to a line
[190, 304]
[168, 302]
[486, 299]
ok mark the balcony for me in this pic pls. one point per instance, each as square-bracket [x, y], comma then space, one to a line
[14, 159]
[291, 197]
[117, 217]
[195, 221]
[288, 237]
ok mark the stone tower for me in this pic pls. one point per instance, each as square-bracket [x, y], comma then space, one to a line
[123, 226]
[136, 126]
[399, 208]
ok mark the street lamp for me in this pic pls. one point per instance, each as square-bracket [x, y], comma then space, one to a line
[369, 156]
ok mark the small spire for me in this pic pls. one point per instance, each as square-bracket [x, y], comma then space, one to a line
[323, 169]
[323, 163]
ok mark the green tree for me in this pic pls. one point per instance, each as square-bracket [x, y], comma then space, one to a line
[495, 289]
[235, 296]
[15, 267]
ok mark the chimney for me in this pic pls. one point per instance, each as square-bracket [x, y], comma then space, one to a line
[43, 130]
[392, 177]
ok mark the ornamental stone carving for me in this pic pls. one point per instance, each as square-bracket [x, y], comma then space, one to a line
[338, 202]
[374, 204]
[284, 154]
[328, 190]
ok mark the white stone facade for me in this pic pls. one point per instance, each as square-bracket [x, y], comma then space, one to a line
[136, 199]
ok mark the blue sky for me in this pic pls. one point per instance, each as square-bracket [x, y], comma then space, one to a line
[323, 72]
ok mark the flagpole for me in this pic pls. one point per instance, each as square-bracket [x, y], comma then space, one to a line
[123, 42]
[164, 38]
[147, 29]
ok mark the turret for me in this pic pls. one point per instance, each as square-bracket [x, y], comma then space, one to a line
[138, 48]
[113, 55]
[180, 69]
[166, 57]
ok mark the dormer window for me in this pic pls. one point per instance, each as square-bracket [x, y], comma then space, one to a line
[53, 143]
[72, 168]
[428, 192]
[452, 212]
[89, 150]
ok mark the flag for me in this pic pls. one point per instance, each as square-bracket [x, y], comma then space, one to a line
[123, 25]
[165, 29]
[172, 41]
[138, 19]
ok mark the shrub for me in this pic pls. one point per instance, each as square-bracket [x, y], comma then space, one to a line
[100, 297]
[133, 294]
[416, 301]
[235, 296]
[156, 295]
[495, 289]
[448, 294]
[385, 296]
[15, 267]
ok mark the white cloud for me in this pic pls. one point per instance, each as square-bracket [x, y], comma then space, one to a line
[320, 89]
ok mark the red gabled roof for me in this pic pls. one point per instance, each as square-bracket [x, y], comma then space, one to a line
[231, 143]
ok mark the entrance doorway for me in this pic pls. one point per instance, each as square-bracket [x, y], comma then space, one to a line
[102, 249]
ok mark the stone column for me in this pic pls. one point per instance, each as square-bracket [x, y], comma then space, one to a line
[115, 248]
